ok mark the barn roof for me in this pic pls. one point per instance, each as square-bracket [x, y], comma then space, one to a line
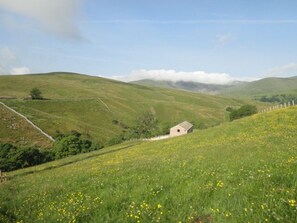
[186, 125]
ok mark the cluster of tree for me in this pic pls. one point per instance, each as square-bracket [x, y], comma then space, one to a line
[72, 144]
[280, 98]
[12, 157]
[243, 111]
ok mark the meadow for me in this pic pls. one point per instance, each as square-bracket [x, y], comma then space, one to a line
[243, 171]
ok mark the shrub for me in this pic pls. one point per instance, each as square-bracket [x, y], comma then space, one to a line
[243, 111]
[35, 93]
[12, 158]
[72, 144]
[145, 126]
[229, 109]
[116, 140]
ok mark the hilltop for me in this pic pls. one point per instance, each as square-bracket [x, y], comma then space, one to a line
[236, 172]
[263, 87]
[188, 85]
[266, 86]
[102, 108]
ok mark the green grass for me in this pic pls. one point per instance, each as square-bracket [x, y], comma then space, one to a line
[266, 86]
[75, 104]
[244, 171]
[17, 131]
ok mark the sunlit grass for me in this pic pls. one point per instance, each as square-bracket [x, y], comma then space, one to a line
[244, 171]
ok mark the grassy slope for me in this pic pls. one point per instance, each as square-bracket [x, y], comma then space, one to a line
[266, 86]
[15, 130]
[244, 171]
[75, 105]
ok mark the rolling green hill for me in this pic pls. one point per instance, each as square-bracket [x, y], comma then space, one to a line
[244, 171]
[92, 105]
[266, 86]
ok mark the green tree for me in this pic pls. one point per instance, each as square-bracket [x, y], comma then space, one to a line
[72, 144]
[145, 125]
[36, 94]
[243, 111]
[12, 158]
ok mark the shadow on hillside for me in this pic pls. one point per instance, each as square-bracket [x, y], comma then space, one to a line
[71, 162]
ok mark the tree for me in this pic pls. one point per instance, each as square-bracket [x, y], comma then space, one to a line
[245, 110]
[72, 144]
[12, 158]
[35, 93]
[145, 125]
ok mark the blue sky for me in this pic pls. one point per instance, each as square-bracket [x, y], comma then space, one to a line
[202, 40]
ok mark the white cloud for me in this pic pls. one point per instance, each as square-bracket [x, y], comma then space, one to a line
[9, 63]
[54, 16]
[283, 71]
[172, 75]
[223, 39]
[20, 70]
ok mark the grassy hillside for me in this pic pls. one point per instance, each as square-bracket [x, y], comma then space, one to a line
[244, 171]
[90, 104]
[15, 130]
[266, 86]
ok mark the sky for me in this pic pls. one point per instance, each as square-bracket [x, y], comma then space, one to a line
[208, 41]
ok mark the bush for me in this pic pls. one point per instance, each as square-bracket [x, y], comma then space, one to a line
[72, 144]
[145, 126]
[35, 94]
[243, 111]
[229, 109]
[116, 140]
[12, 158]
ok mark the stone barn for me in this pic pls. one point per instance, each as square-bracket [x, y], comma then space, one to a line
[181, 129]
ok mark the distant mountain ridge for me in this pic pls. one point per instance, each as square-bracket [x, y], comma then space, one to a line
[189, 85]
[265, 86]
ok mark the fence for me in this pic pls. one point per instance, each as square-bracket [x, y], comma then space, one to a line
[3, 177]
[284, 105]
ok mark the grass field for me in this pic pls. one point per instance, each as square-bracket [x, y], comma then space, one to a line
[15, 130]
[244, 171]
[90, 104]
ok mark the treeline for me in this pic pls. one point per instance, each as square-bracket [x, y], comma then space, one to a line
[12, 157]
[280, 98]
[243, 111]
